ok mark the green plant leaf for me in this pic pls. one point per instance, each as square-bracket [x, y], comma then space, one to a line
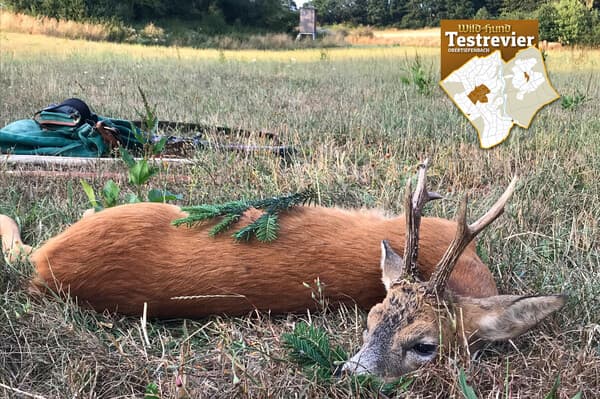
[159, 146]
[140, 136]
[150, 119]
[89, 192]
[465, 388]
[554, 389]
[110, 194]
[401, 384]
[138, 173]
[151, 391]
[169, 196]
[132, 198]
[126, 157]
[156, 195]
[375, 384]
[418, 76]
[141, 172]
[339, 354]
[578, 395]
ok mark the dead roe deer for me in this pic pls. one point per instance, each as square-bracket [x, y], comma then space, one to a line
[417, 318]
[122, 257]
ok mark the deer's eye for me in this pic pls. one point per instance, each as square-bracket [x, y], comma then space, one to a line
[424, 349]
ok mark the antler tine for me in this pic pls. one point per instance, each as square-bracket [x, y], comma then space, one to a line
[464, 235]
[413, 206]
[496, 210]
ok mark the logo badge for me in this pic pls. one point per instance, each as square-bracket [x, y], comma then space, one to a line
[495, 74]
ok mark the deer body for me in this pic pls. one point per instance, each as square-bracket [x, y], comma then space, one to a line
[436, 292]
[121, 257]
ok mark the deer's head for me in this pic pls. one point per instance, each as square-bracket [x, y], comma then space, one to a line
[417, 318]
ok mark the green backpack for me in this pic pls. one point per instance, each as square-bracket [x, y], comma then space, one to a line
[67, 129]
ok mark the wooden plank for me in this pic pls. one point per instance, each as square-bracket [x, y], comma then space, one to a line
[77, 161]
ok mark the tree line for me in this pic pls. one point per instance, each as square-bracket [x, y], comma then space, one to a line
[567, 21]
[215, 15]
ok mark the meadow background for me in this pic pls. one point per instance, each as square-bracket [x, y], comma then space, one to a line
[361, 121]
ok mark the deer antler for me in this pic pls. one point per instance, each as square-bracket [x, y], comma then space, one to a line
[464, 235]
[413, 206]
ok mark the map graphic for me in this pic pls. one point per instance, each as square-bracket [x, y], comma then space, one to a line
[495, 95]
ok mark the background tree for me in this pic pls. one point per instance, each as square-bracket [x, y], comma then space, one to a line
[516, 6]
[421, 13]
[378, 12]
[571, 20]
[457, 9]
[397, 10]
[482, 13]
[492, 6]
[548, 22]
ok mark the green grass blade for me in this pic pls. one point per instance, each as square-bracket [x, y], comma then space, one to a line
[465, 388]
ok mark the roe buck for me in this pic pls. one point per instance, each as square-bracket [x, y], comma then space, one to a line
[122, 257]
[417, 318]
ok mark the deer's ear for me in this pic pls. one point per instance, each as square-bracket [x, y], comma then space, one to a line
[503, 317]
[392, 265]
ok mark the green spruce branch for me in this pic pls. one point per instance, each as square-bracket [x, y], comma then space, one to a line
[309, 346]
[265, 228]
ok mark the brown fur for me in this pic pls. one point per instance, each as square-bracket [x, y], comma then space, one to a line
[502, 317]
[122, 257]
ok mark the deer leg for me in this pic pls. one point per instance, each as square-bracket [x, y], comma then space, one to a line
[13, 248]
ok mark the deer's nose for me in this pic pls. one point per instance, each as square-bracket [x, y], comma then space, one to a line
[358, 364]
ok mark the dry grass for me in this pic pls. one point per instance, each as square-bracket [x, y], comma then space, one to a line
[428, 37]
[359, 129]
[23, 23]
[27, 47]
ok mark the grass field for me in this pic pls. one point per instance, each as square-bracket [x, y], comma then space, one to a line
[359, 130]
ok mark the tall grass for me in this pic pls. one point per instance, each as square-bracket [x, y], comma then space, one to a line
[28, 47]
[23, 23]
[358, 129]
